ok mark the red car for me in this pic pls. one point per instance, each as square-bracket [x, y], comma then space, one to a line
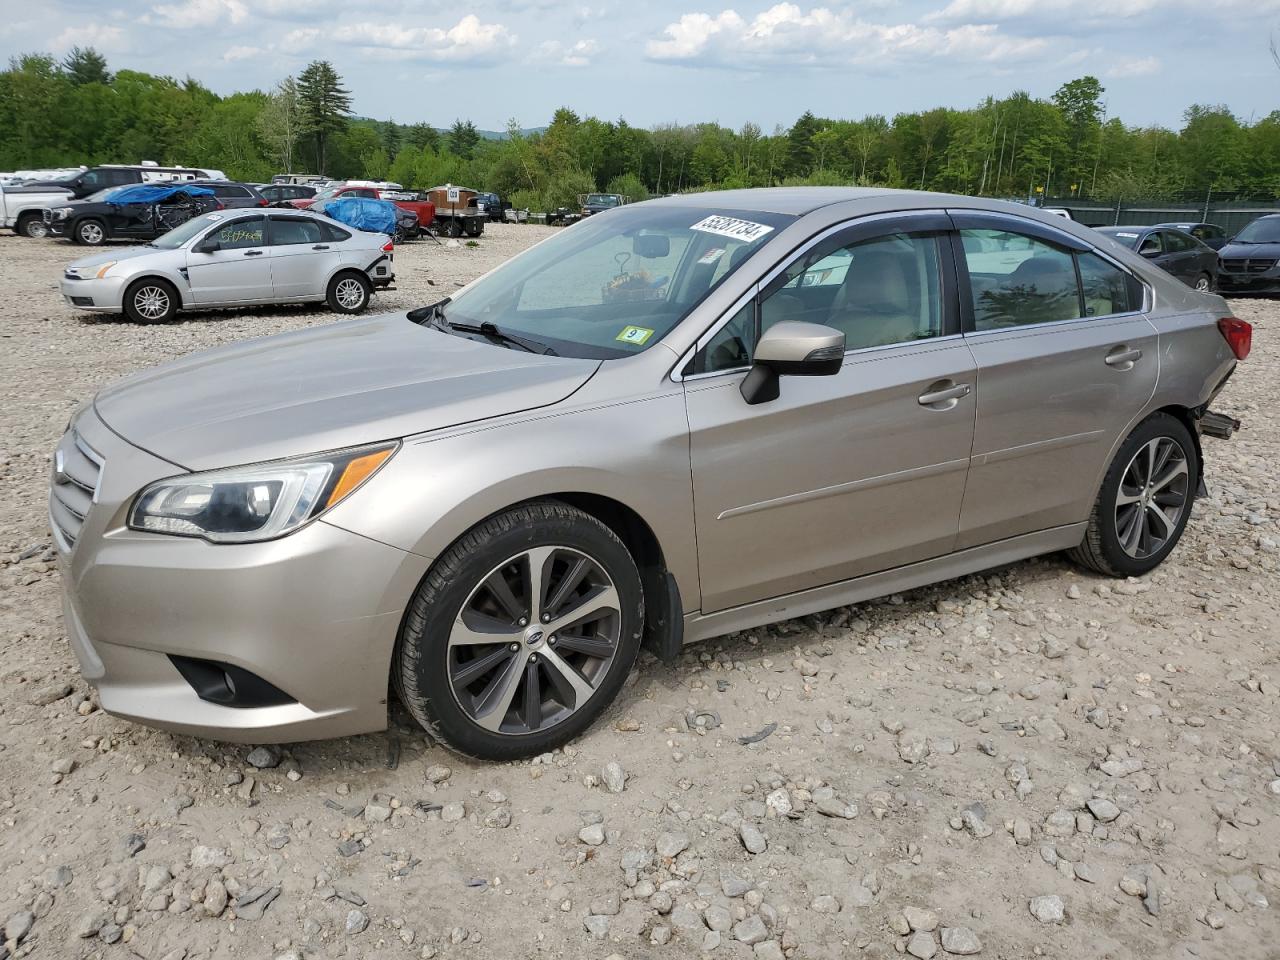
[424, 209]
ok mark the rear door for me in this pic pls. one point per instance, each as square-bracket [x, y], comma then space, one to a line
[301, 257]
[1181, 256]
[239, 270]
[1064, 366]
[840, 475]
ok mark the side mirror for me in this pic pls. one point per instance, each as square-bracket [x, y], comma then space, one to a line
[208, 246]
[651, 246]
[793, 349]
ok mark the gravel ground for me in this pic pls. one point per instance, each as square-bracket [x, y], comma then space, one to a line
[1033, 762]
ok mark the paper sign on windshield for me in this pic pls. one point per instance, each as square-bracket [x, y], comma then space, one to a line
[743, 230]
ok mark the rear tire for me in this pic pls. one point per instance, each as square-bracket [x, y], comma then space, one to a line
[151, 300]
[349, 292]
[32, 225]
[1145, 500]
[474, 227]
[529, 690]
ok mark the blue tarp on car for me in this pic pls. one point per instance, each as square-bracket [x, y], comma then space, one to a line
[155, 193]
[363, 213]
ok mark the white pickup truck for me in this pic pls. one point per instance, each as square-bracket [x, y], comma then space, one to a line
[22, 208]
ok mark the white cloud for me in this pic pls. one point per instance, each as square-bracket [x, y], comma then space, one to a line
[298, 41]
[198, 13]
[102, 38]
[576, 55]
[821, 37]
[468, 41]
[999, 11]
[1135, 68]
[241, 53]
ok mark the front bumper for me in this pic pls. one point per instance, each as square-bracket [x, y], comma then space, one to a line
[315, 614]
[101, 295]
[1235, 283]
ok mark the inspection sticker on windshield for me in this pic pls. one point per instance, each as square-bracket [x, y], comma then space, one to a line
[712, 255]
[635, 335]
[743, 230]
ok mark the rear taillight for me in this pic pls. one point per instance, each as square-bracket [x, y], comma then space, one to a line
[263, 202]
[1238, 334]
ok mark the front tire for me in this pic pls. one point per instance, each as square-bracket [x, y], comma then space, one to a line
[91, 233]
[1204, 283]
[33, 226]
[151, 300]
[521, 634]
[349, 293]
[1145, 500]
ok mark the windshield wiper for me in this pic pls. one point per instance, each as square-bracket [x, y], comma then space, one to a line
[490, 330]
[433, 314]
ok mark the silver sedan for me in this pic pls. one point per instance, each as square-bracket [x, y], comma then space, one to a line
[235, 259]
[674, 420]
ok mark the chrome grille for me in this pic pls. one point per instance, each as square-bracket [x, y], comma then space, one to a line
[77, 469]
[1251, 265]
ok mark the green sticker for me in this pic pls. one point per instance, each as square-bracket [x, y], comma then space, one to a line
[635, 335]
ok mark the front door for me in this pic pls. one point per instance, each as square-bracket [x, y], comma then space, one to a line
[1063, 366]
[238, 270]
[847, 474]
[301, 258]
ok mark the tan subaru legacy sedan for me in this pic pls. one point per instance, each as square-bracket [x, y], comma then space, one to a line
[674, 420]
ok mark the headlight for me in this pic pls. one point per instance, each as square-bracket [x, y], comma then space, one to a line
[256, 502]
[62, 213]
[102, 270]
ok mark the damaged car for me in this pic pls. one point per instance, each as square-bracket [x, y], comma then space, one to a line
[142, 212]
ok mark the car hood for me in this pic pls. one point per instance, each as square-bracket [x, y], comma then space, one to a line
[328, 387]
[1252, 251]
[91, 264]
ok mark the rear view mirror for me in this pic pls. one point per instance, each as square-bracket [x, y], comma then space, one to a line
[794, 349]
[651, 246]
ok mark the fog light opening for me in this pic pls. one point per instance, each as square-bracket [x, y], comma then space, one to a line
[228, 685]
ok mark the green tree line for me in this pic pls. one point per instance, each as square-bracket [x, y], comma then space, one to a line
[76, 111]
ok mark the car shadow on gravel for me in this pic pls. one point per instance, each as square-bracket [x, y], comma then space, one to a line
[212, 316]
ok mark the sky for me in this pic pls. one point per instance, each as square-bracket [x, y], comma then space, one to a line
[686, 61]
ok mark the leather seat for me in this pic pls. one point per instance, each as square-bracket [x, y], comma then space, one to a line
[874, 306]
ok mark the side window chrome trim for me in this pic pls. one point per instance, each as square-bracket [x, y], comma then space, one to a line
[776, 270]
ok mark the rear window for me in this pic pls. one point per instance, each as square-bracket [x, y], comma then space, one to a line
[335, 233]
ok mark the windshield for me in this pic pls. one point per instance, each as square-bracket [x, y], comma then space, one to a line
[612, 286]
[181, 234]
[1120, 235]
[1262, 230]
[328, 194]
[601, 200]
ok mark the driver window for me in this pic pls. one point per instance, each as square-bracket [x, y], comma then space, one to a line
[241, 235]
[1151, 245]
[876, 292]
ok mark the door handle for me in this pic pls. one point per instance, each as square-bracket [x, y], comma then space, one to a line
[940, 396]
[1123, 357]
[320, 246]
[253, 253]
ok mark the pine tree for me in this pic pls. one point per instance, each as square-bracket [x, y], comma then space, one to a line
[325, 105]
[463, 137]
[86, 65]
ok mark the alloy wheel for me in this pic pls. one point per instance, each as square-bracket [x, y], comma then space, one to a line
[1153, 496]
[37, 229]
[91, 233]
[1202, 284]
[151, 302]
[534, 640]
[350, 293]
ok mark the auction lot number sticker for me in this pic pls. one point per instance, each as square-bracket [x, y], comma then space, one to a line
[744, 230]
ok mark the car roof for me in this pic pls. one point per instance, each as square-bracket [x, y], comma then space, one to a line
[796, 201]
